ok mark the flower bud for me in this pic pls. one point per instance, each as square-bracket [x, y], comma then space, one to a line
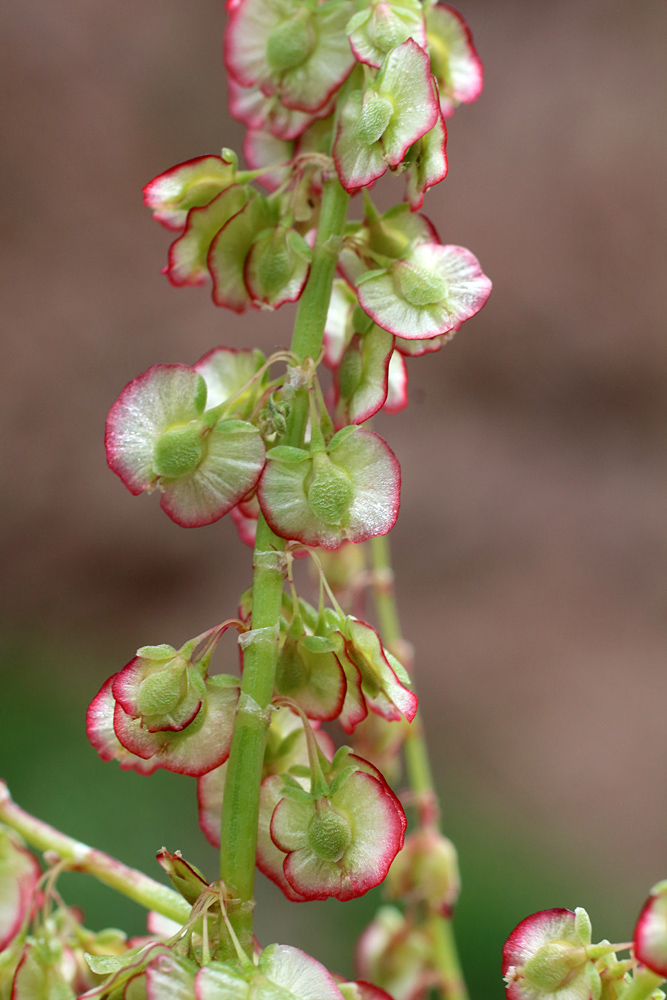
[395, 955]
[427, 871]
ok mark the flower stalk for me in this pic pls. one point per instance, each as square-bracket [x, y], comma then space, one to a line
[106, 869]
[445, 953]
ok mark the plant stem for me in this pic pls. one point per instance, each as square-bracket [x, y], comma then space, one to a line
[129, 881]
[418, 767]
[446, 957]
[643, 984]
[240, 810]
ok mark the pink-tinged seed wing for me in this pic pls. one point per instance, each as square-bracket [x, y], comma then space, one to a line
[430, 166]
[246, 526]
[102, 735]
[160, 397]
[397, 389]
[231, 467]
[227, 256]
[296, 972]
[650, 937]
[377, 834]
[389, 23]
[170, 977]
[210, 793]
[338, 329]
[262, 149]
[365, 649]
[357, 163]
[270, 858]
[463, 289]
[250, 106]
[354, 708]
[528, 937]
[309, 86]
[376, 480]
[454, 58]
[370, 394]
[171, 195]
[188, 255]
[19, 874]
[226, 370]
[405, 77]
[186, 693]
[199, 748]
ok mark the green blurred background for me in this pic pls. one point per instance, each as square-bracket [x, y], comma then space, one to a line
[530, 549]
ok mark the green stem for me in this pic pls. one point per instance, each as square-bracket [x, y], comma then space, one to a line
[240, 810]
[446, 957]
[644, 983]
[129, 881]
[418, 767]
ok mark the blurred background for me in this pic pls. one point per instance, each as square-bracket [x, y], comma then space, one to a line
[530, 550]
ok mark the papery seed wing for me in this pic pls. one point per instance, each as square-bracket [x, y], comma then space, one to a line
[376, 480]
[231, 467]
[406, 78]
[102, 735]
[454, 59]
[151, 403]
[230, 248]
[296, 972]
[226, 370]
[357, 163]
[171, 195]
[397, 389]
[269, 857]
[19, 874]
[188, 255]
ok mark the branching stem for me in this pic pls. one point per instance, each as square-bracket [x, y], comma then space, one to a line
[130, 882]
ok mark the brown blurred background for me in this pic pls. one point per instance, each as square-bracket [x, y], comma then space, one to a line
[531, 545]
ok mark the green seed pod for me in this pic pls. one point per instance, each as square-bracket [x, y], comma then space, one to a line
[178, 451]
[350, 370]
[290, 44]
[374, 117]
[553, 965]
[417, 285]
[330, 492]
[329, 834]
[161, 691]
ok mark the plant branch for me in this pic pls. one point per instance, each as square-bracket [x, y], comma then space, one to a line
[418, 766]
[132, 883]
